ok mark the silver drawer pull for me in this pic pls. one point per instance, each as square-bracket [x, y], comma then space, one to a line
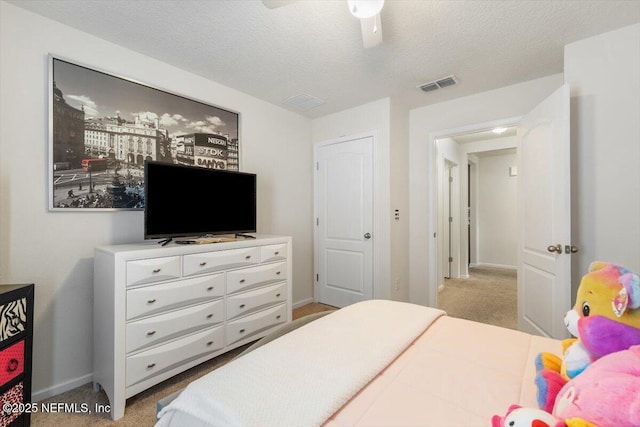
[157, 270]
[151, 365]
[203, 263]
[241, 280]
[209, 343]
[242, 331]
[210, 288]
[277, 295]
[151, 301]
[247, 257]
[276, 253]
[277, 273]
[209, 316]
[151, 333]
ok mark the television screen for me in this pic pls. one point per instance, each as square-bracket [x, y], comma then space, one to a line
[194, 201]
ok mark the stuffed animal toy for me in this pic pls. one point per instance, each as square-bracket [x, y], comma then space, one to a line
[606, 394]
[605, 319]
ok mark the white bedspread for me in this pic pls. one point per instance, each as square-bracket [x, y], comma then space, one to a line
[303, 377]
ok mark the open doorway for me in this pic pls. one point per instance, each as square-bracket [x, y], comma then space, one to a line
[477, 219]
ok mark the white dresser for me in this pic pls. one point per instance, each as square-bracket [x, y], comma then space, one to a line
[159, 310]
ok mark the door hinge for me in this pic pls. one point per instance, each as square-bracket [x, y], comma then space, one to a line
[450, 179]
[317, 221]
[317, 277]
[450, 219]
[317, 166]
[450, 259]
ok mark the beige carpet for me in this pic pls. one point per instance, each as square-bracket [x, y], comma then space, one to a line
[488, 296]
[141, 408]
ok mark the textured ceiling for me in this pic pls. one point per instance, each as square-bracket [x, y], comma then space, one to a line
[315, 47]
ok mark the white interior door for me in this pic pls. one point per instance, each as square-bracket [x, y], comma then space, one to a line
[448, 218]
[544, 269]
[344, 221]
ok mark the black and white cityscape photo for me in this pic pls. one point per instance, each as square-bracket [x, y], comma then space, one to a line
[103, 128]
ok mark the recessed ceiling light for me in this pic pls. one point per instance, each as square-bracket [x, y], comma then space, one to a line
[499, 131]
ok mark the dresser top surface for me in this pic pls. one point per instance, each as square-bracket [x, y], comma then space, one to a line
[173, 248]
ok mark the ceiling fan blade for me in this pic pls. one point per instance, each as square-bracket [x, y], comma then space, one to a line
[272, 4]
[371, 31]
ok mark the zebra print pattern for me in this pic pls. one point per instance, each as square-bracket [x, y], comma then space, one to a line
[13, 318]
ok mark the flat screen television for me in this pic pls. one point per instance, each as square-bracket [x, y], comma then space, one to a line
[193, 201]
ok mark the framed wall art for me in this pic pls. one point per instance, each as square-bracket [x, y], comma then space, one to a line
[102, 128]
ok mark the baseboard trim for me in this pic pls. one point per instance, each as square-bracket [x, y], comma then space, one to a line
[55, 390]
[488, 264]
[301, 303]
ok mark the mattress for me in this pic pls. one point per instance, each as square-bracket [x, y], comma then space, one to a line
[457, 373]
[374, 363]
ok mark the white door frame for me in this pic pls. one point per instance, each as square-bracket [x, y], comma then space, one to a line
[433, 264]
[381, 218]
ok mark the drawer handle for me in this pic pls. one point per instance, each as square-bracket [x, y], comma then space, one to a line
[277, 273]
[242, 331]
[278, 316]
[241, 305]
[247, 257]
[276, 253]
[13, 365]
[157, 270]
[151, 333]
[203, 263]
[151, 365]
[210, 288]
[151, 301]
[209, 316]
[241, 280]
[277, 295]
[209, 343]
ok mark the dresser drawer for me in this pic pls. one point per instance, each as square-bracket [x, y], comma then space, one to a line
[175, 353]
[252, 325]
[251, 277]
[157, 298]
[273, 252]
[13, 399]
[13, 318]
[152, 270]
[153, 330]
[248, 302]
[220, 260]
[11, 362]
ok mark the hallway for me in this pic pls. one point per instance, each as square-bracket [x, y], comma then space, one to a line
[489, 295]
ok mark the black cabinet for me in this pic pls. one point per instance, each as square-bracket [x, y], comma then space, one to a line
[16, 343]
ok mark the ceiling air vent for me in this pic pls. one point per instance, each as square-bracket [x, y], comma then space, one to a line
[438, 84]
[303, 102]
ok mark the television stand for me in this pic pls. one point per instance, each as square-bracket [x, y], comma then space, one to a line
[201, 301]
[244, 236]
[206, 240]
[166, 241]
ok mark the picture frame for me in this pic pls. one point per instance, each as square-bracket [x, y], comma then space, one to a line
[103, 127]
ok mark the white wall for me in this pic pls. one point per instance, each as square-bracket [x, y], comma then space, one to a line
[604, 75]
[399, 200]
[484, 107]
[374, 117]
[55, 250]
[497, 210]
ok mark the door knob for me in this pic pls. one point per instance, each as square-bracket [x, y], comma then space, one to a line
[570, 249]
[367, 236]
[555, 248]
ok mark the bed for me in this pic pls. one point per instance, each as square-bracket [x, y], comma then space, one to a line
[372, 363]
